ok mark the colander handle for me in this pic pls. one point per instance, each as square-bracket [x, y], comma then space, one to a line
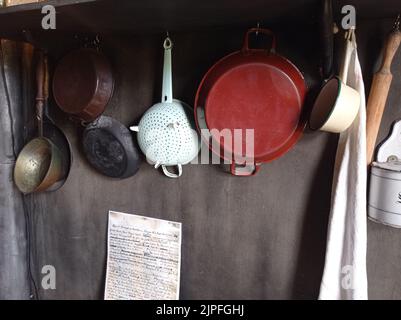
[134, 128]
[172, 175]
[167, 89]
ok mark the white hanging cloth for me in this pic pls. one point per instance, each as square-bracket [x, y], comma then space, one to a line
[345, 276]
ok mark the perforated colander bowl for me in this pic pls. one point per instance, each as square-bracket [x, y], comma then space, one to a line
[167, 134]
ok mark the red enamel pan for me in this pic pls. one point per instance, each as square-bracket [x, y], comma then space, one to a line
[248, 107]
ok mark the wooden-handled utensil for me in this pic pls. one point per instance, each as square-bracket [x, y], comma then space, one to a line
[326, 24]
[379, 91]
[40, 164]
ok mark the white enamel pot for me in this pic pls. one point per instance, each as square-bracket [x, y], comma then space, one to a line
[166, 132]
[337, 105]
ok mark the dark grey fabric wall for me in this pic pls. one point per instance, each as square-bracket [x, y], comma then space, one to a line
[261, 237]
[13, 241]
[254, 238]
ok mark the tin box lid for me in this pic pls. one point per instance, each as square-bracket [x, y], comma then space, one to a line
[387, 170]
[390, 149]
[390, 165]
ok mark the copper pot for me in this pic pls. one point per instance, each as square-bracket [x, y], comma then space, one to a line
[83, 84]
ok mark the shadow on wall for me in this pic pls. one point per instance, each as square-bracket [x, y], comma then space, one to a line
[312, 249]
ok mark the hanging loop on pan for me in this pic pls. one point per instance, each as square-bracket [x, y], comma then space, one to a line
[244, 170]
[245, 47]
[167, 88]
[397, 22]
[96, 42]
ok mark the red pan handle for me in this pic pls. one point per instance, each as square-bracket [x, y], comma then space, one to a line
[267, 32]
[244, 171]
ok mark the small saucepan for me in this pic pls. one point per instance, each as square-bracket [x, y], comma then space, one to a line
[337, 105]
[83, 84]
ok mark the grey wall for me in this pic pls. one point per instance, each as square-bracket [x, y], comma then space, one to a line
[14, 283]
[262, 237]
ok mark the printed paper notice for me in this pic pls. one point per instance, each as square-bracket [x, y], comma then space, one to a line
[143, 259]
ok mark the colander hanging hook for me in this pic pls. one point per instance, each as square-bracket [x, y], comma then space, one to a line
[167, 89]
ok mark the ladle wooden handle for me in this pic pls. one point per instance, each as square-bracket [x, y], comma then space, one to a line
[47, 79]
[40, 97]
[379, 93]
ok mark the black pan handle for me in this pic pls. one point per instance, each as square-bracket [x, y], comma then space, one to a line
[327, 38]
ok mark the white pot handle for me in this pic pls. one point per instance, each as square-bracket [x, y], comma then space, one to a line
[167, 89]
[172, 175]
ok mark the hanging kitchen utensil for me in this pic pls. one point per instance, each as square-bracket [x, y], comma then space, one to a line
[166, 132]
[379, 91]
[254, 89]
[384, 204]
[326, 25]
[337, 105]
[83, 84]
[107, 144]
[109, 147]
[40, 163]
[54, 133]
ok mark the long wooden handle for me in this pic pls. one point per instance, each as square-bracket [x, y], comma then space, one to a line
[47, 79]
[379, 93]
[40, 78]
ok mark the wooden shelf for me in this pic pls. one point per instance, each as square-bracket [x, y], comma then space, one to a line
[145, 16]
[138, 16]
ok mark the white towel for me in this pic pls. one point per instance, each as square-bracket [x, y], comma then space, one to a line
[345, 276]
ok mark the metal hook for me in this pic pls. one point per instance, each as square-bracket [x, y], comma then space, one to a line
[168, 44]
[397, 22]
[96, 42]
[257, 27]
[28, 37]
[350, 34]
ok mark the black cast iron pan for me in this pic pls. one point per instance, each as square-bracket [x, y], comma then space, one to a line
[109, 147]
